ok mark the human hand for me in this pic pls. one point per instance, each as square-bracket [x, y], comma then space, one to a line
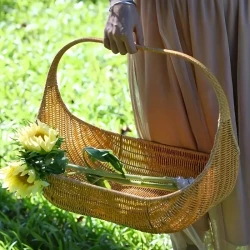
[123, 29]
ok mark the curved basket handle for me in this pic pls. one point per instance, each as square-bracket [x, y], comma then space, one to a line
[221, 97]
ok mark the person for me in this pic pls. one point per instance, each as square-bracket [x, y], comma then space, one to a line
[173, 102]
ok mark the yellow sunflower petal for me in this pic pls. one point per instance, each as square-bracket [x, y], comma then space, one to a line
[36, 137]
[17, 178]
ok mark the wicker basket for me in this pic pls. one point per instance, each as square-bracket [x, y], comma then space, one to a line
[147, 210]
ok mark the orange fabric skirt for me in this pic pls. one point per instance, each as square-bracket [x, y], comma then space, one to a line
[174, 103]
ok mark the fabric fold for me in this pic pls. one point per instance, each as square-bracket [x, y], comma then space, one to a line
[174, 103]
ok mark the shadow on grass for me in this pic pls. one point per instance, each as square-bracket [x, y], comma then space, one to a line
[36, 224]
[5, 8]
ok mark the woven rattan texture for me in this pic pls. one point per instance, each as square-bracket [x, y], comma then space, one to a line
[147, 210]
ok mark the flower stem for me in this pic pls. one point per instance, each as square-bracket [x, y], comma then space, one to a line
[153, 185]
[164, 183]
[87, 170]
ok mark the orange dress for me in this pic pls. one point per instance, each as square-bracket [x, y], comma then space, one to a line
[174, 103]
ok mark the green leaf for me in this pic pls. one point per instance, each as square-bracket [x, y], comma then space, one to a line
[59, 142]
[97, 154]
[56, 162]
[98, 181]
[115, 162]
[105, 155]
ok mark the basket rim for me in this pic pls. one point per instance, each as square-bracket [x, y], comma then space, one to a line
[225, 117]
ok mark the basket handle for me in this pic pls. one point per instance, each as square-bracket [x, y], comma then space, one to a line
[221, 97]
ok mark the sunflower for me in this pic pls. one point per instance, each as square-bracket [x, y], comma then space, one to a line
[37, 137]
[17, 178]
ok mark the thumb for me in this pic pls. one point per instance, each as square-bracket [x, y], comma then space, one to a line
[139, 33]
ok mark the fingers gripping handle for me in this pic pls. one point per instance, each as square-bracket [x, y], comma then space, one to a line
[221, 97]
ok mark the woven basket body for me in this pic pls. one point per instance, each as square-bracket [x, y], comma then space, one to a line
[147, 210]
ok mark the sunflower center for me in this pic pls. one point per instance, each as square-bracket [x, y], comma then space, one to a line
[40, 134]
[24, 179]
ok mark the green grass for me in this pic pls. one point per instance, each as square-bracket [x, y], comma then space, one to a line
[94, 86]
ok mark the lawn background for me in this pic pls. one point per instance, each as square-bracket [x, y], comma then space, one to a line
[93, 84]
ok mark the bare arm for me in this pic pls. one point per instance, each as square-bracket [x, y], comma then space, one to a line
[122, 27]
